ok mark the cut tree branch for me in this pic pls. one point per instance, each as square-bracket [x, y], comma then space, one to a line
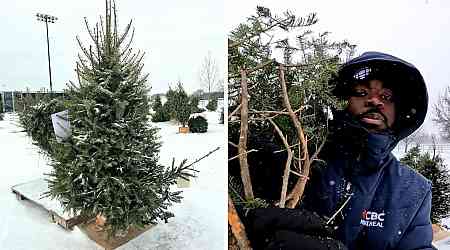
[287, 167]
[299, 187]
[258, 67]
[237, 228]
[245, 173]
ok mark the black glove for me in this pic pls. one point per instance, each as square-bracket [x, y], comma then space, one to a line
[282, 228]
[289, 240]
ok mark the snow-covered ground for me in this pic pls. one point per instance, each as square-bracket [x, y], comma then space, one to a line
[199, 222]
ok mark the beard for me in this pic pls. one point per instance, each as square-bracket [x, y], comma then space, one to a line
[371, 114]
[361, 149]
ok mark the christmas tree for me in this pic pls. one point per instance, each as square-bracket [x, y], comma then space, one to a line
[179, 104]
[434, 169]
[212, 105]
[161, 113]
[109, 166]
[36, 120]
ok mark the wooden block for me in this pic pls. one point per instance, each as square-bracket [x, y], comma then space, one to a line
[183, 130]
[67, 224]
[95, 233]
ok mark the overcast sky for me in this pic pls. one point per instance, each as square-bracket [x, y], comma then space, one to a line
[414, 30]
[175, 34]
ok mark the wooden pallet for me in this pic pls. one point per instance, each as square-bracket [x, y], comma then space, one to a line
[32, 192]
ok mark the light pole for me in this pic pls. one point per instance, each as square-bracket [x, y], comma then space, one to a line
[47, 18]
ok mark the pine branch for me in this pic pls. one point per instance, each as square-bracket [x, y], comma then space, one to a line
[203, 157]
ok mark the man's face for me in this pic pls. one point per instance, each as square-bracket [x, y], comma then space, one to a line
[373, 105]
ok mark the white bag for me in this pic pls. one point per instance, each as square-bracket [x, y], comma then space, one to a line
[61, 125]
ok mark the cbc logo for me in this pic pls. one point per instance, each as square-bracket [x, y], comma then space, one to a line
[367, 215]
[372, 219]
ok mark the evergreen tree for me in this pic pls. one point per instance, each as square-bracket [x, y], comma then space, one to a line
[198, 124]
[37, 121]
[193, 101]
[161, 114]
[212, 105]
[110, 164]
[434, 169]
[157, 103]
[171, 104]
[178, 102]
[412, 158]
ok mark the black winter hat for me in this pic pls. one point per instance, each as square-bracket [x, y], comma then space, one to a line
[408, 85]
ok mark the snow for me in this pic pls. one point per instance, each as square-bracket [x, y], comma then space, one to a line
[443, 244]
[199, 222]
[34, 189]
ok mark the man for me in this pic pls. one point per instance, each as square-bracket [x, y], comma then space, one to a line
[363, 197]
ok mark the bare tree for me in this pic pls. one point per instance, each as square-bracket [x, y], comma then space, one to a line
[209, 73]
[418, 137]
[442, 113]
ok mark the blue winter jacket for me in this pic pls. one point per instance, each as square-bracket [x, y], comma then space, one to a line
[389, 207]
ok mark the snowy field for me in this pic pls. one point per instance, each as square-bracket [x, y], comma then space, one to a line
[199, 222]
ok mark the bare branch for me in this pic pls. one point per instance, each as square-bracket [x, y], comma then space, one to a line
[234, 157]
[299, 175]
[287, 167]
[245, 174]
[297, 192]
[233, 44]
[340, 209]
[282, 150]
[234, 111]
[276, 112]
[258, 67]
[232, 144]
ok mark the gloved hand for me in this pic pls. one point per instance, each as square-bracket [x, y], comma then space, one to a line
[283, 228]
[289, 240]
